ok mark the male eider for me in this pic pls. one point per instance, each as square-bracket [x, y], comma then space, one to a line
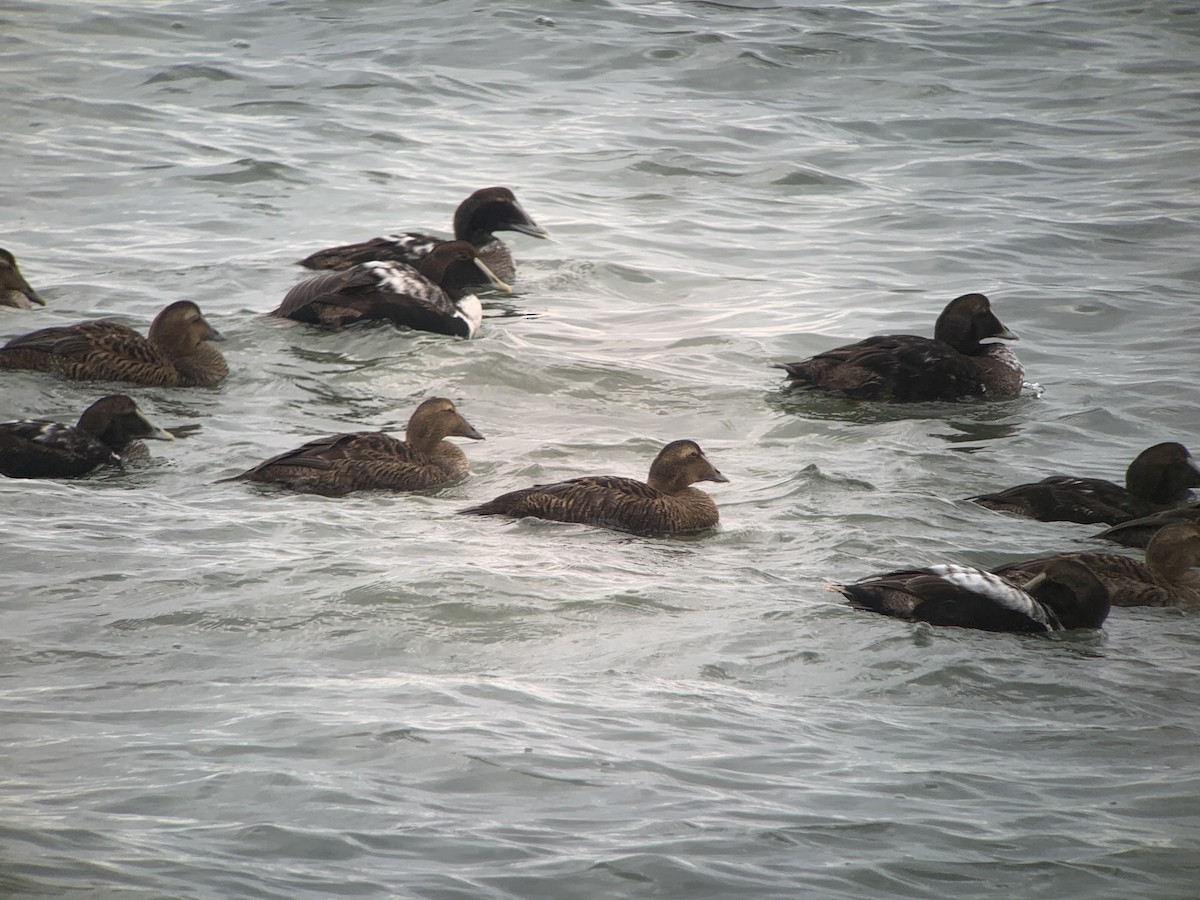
[1159, 477]
[664, 504]
[372, 460]
[107, 434]
[952, 365]
[436, 298]
[1065, 595]
[177, 352]
[477, 218]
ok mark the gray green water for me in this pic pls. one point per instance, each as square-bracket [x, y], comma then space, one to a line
[208, 691]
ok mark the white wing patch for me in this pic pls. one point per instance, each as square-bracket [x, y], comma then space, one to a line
[993, 588]
[470, 310]
[397, 277]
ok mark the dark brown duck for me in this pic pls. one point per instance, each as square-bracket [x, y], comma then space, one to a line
[437, 298]
[1066, 595]
[1138, 532]
[107, 434]
[663, 504]
[954, 364]
[372, 460]
[1159, 477]
[14, 289]
[476, 220]
[1166, 577]
[177, 352]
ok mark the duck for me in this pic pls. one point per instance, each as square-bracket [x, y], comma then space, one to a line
[486, 211]
[14, 289]
[107, 434]
[952, 365]
[1159, 477]
[1138, 532]
[664, 504]
[372, 460]
[177, 352]
[1164, 579]
[1065, 595]
[435, 298]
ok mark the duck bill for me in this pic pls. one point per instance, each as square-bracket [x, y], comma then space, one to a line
[1006, 335]
[30, 294]
[1034, 582]
[717, 476]
[491, 276]
[532, 229]
[156, 433]
[467, 430]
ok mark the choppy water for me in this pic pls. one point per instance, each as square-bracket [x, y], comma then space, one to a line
[209, 691]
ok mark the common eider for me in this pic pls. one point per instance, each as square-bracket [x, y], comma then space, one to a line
[1166, 577]
[177, 352]
[107, 434]
[1138, 532]
[14, 289]
[372, 460]
[436, 298]
[1066, 595]
[664, 504]
[1159, 477]
[477, 218]
[952, 365]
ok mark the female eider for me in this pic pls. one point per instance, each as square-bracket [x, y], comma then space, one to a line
[1159, 477]
[1138, 532]
[1065, 595]
[372, 460]
[107, 434]
[477, 218]
[436, 298]
[14, 289]
[1166, 577]
[664, 504]
[952, 365]
[177, 352]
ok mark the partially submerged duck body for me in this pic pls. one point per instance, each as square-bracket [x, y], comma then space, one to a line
[436, 298]
[1067, 595]
[1160, 476]
[177, 352]
[107, 434]
[1166, 577]
[372, 460]
[664, 504]
[1140, 531]
[14, 289]
[476, 220]
[954, 364]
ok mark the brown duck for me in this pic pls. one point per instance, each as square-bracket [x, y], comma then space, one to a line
[954, 364]
[1164, 579]
[1159, 477]
[477, 218]
[436, 298]
[372, 460]
[107, 434]
[664, 504]
[14, 289]
[1138, 532]
[1066, 595]
[177, 352]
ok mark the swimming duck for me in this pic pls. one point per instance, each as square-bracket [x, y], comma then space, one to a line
[14, 289]
[952, 365]
[372, 460]
[663, 504]
[486, 211]
[1164, 579]
[176, 353]
[1138, 532]
[106, 435]
[436, 298]
[1065, 595]
[1159, 477]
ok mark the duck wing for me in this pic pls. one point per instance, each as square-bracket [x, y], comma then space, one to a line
[1063, 498]
[407, 247]
[35, 449]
